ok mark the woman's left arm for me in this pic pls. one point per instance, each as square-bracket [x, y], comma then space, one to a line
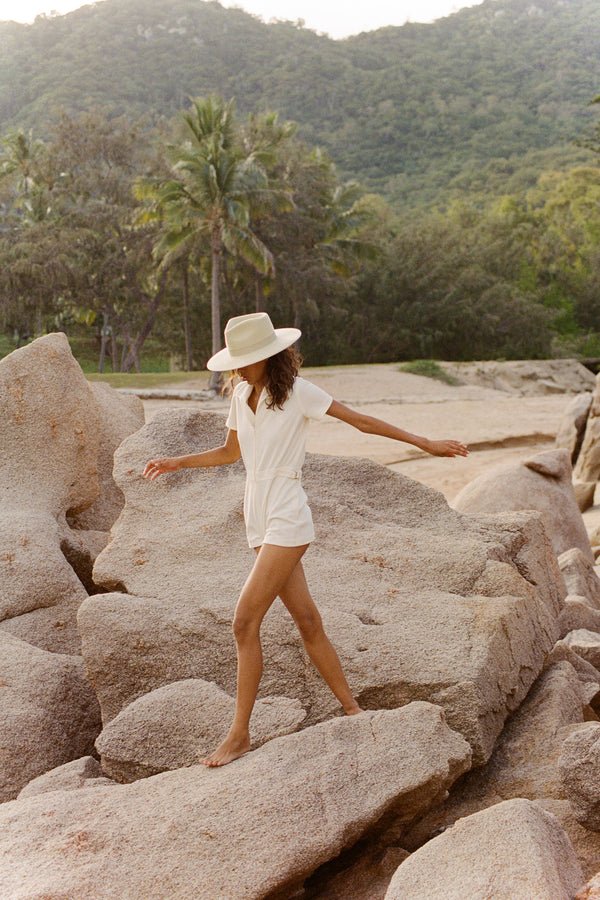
[371, 425]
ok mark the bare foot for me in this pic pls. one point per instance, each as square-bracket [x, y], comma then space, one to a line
[353, 709]
[232, 747]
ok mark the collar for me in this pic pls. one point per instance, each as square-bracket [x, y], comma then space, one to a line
[246, 390]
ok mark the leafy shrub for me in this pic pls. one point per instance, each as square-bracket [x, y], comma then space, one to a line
[429, 368]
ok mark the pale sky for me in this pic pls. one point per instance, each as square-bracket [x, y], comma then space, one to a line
[338, 18]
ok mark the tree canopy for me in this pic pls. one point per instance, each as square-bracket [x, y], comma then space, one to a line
[425, 191]
[480, 100]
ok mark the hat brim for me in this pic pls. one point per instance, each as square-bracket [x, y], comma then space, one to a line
[223, 361]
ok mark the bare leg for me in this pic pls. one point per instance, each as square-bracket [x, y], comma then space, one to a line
[269, 574]
[297, 599]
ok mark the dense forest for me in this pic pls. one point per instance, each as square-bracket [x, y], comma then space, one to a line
[487, 97]
[430, 191]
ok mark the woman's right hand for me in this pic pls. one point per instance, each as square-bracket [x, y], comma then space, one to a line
[156, 467]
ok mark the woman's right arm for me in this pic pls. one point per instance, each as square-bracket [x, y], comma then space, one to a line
[220, 456]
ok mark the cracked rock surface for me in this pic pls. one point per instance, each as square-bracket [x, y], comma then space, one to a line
[320, 789]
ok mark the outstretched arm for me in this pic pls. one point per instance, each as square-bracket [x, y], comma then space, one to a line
[220, 456]
[371, 425]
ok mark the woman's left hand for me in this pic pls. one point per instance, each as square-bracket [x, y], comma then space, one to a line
[447, 448]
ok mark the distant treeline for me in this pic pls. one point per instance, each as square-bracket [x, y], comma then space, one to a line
[480, 102]
[131, 234]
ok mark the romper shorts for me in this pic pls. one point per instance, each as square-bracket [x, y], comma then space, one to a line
[276, 510]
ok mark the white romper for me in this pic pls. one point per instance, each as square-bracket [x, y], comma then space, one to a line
[273, 443]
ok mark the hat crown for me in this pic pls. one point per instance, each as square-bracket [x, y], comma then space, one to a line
[247, 334]
[250, 339]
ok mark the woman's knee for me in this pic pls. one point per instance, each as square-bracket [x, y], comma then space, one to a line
[310, 625]
[245, 627]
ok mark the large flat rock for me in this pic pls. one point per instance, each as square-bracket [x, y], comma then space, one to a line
[264, 822]
[421, 602]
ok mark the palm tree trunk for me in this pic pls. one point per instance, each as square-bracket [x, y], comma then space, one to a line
[259, 295]
[114, 350]
[224, 275]
[38, 318]
[187, 331]
[216, 378]
[104, 333]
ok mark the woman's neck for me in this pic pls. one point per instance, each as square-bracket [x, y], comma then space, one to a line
[254, 396]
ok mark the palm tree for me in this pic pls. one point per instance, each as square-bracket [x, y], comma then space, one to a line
[220, 183]
[20, 152]
[322, 241]
[343, 244]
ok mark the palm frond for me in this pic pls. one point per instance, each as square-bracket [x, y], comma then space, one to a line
[173, 245]
[270, 200]
[237, 213]
[249, 247]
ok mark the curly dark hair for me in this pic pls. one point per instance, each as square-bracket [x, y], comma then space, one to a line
[282, 370]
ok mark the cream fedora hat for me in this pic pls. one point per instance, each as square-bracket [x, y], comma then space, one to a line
[249, 339]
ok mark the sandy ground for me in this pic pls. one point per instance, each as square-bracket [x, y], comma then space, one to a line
[498, 427]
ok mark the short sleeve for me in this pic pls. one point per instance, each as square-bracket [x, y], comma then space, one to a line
[231, 422]
[313, 401]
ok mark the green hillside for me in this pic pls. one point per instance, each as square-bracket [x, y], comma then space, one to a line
[480, 101]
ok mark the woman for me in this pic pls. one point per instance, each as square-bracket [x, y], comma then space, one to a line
[267, 421]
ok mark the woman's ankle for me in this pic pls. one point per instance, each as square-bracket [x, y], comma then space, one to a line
[238, 733]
